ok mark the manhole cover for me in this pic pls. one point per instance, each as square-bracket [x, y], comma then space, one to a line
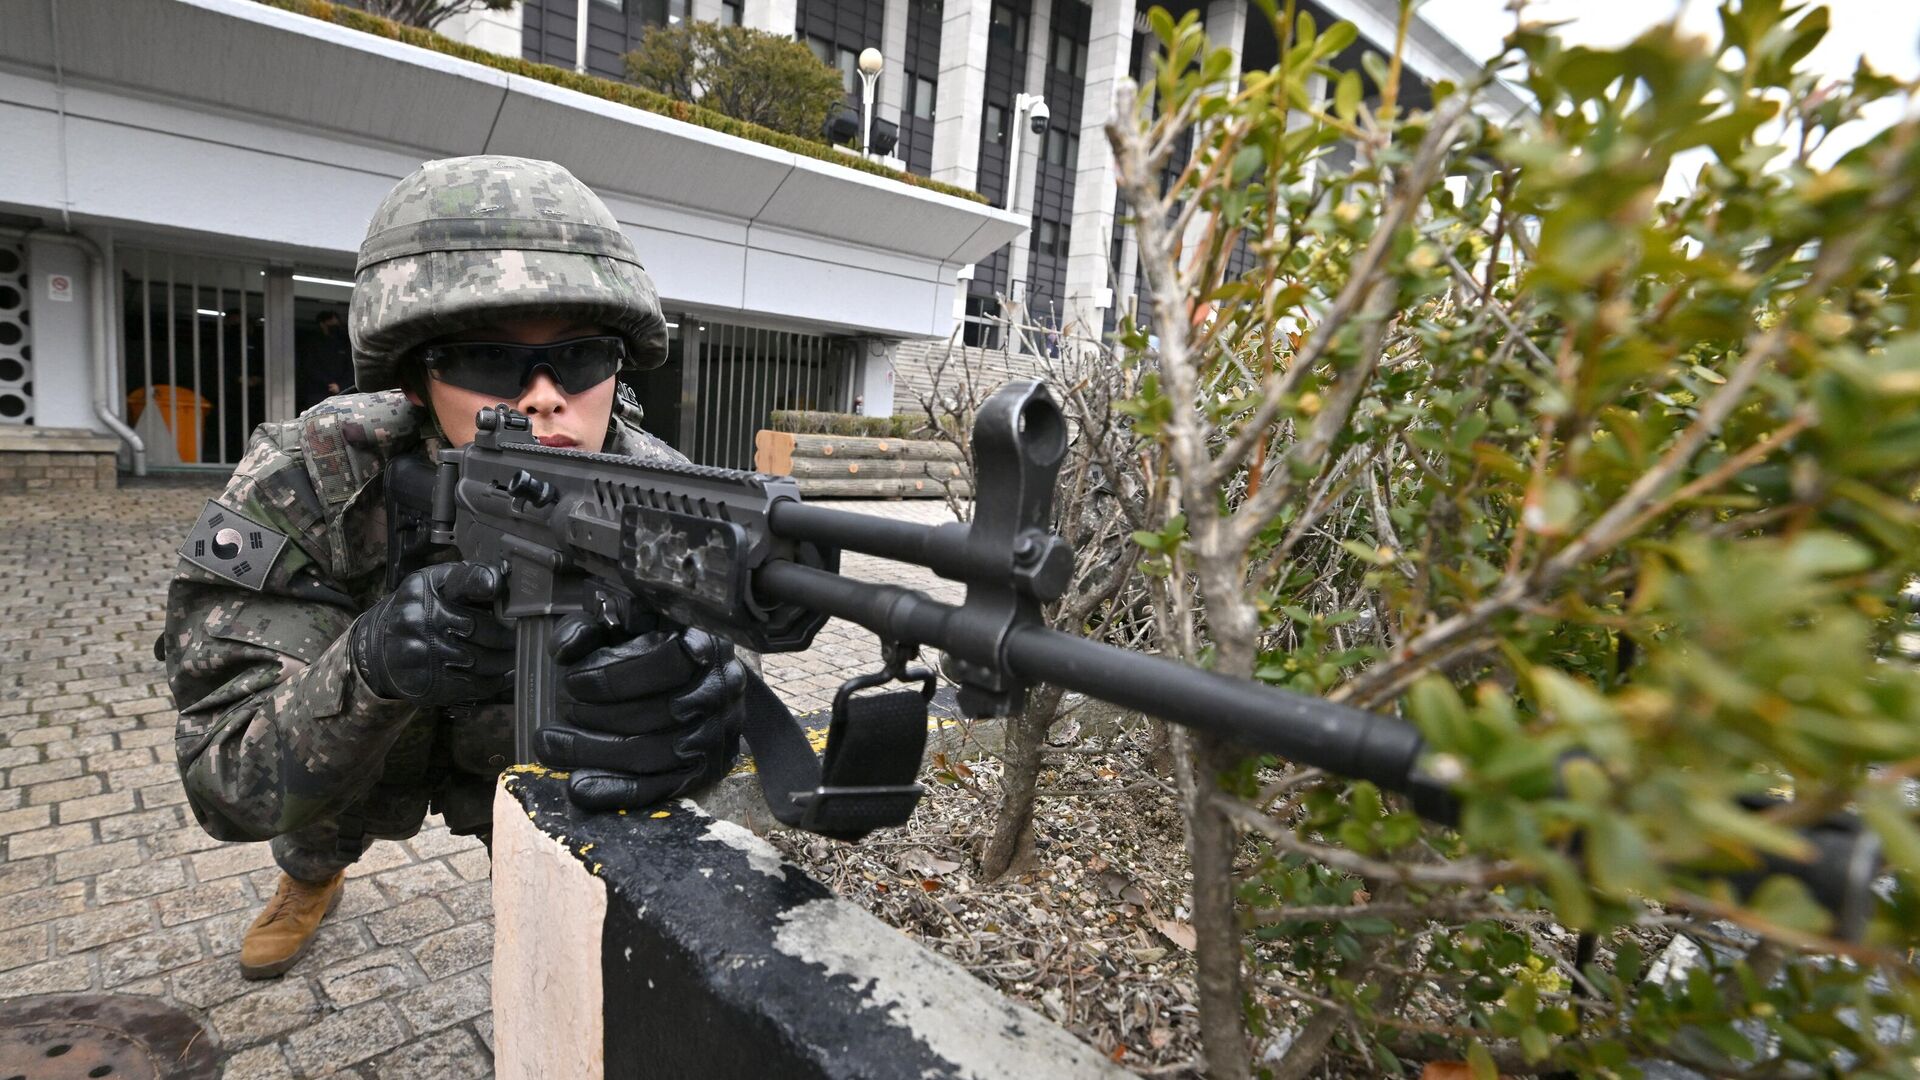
[96, 1036]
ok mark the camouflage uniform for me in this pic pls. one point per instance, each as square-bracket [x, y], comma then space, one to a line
[278, 737]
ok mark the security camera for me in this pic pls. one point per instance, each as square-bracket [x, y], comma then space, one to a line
[1037, 120]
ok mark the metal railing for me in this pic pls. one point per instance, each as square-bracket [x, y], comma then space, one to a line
[194, 353]
[744, 373]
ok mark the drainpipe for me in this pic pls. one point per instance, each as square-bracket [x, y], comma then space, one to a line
[104, 339]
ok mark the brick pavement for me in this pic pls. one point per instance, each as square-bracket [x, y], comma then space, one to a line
[106, 883]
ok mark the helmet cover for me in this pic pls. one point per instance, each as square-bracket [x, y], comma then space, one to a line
[469, 241]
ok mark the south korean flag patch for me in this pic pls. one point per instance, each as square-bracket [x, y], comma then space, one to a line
[230, 545]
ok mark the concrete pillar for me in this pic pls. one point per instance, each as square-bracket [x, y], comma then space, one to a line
[1090, 279]
[1316, 91]
[1126, 276]
[873, 383]
[1020, 192]
[963, 86]
[1226, 22]
[773, 16]
[486, 28]
[893, 80]
[1227, 25]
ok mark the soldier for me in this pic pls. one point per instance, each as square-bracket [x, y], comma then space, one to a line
[327, 699]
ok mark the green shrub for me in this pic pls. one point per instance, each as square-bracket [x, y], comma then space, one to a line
[737, 71]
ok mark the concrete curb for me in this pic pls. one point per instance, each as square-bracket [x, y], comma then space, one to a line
[715, 958]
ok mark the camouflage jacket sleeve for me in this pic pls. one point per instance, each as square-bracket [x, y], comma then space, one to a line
[275, 729]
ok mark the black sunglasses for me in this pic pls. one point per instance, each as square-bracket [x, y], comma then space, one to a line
[503, 370]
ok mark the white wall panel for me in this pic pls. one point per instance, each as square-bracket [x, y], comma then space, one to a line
[802, 288]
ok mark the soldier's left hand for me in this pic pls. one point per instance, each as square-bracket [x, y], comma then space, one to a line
[643, 719]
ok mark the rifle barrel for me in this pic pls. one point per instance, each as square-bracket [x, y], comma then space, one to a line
[1338, 738]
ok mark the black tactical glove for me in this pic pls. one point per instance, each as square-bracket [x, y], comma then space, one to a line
[435, 640]
[644, 719]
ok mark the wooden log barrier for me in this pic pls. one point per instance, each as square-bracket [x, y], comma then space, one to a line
[883, 488]
[841, 466]
[813, 468]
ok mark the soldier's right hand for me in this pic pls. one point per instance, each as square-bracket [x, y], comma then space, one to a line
[435, 639]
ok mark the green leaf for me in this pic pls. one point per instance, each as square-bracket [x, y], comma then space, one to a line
[1554, 513]
[1890, 818]
[1785, 902]
[1728, 1040]
[1375, 66]
[1752, 830]
[1162, 24]
[1366, 553]
[1825, 553]
[1346, 95]
[1248, 163]
[1337, 38]
[1619, 857]
[1480, 1062]
[1534, 1043]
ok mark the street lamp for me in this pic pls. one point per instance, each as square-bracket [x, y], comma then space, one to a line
[870, 64]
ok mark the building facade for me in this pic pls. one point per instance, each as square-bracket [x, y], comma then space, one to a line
[185, 183]
[962, 81]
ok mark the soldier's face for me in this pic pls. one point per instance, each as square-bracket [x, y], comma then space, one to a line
[578, 421]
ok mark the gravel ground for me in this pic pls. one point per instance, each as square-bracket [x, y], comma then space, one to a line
[1092, 932]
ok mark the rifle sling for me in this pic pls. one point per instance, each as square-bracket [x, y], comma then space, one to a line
[866, 781]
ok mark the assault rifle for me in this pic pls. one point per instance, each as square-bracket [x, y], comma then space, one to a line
[739, 554]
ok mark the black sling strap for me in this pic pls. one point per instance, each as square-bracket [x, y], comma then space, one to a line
[865, 781]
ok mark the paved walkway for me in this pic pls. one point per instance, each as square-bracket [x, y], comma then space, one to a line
[106, 883]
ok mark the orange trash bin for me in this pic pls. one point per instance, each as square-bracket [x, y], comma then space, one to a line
[182, 410]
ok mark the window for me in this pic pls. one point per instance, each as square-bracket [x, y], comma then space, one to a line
[822, 49]
[995, 131]
[925, 92]
[981, 330]
[730, 12]
[849, 70]
[1020, 33]
[1050, 238]
[1062, 53]
[1000, 22]
[1079, 61]
[1056, 146]
[616, 5]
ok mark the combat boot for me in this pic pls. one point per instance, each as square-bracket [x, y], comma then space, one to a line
[281, 934]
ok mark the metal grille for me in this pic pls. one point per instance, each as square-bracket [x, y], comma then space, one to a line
[195, 354]
[16, 339]
[746, 373]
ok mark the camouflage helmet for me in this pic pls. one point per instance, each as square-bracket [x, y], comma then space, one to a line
[468, 241]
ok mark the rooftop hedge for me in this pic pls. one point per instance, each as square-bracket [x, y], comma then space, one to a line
[607, 89]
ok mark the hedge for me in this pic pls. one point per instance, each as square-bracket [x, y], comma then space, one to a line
[607, 89]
